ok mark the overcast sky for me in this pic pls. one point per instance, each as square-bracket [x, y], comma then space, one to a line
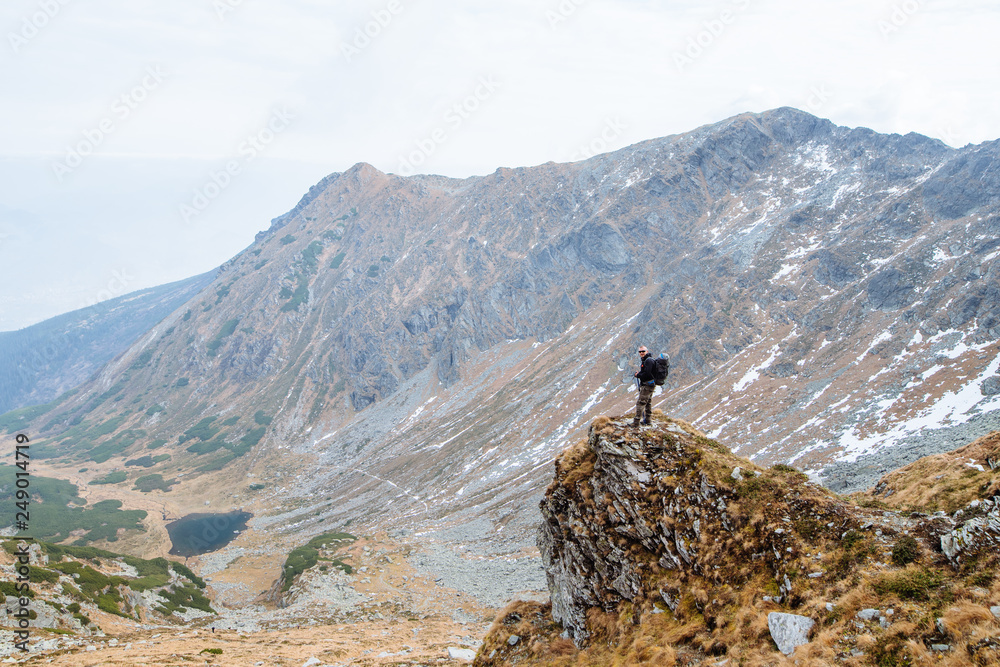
[143, 142]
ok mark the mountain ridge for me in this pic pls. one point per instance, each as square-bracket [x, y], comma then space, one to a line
[430, 343]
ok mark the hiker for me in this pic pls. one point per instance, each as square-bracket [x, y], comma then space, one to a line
[647, 385]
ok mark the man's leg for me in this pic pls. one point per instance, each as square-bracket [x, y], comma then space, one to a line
[638, 408]
[643, 405]
[648, 404]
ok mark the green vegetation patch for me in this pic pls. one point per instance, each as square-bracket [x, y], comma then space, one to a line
[227, 330]
[116, 477]
[146, 461]
[337, 260]
[206, 447]
[142, 360]
[18, 420]
[910, 584]
[9, 589]
[262, 419]
[154, 482]
[116, 445]
[91, 585]
[203, 430]
[185, 596]
[310, 257]
[905, 551]
[54, 516]
[296, 297]
[304, 557]
[105, 428]
[288, 238]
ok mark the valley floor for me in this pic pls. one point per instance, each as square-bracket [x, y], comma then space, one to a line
[387, 642]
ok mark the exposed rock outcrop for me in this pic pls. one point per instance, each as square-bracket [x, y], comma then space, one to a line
[647, 517]
[662, 547]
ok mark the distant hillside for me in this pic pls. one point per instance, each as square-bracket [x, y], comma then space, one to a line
[40, 362]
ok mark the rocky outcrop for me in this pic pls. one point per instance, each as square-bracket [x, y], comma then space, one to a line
[662, 546]
[642, 517]
[977, 532]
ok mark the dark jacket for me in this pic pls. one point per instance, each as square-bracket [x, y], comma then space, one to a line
[645, 373]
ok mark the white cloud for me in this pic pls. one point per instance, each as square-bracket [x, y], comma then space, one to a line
[565, 68]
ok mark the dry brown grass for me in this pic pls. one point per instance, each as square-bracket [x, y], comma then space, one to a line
[777, 524]
[943, 482]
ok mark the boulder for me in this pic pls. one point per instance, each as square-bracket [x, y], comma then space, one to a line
[461, 654]
[789, 630]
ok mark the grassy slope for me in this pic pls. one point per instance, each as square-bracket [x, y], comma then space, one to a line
[725, 616]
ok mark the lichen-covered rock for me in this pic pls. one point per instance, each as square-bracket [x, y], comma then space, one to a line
[978, 533]
[633, 517]
[789, 630]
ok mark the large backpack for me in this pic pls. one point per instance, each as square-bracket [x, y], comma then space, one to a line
[661, 368]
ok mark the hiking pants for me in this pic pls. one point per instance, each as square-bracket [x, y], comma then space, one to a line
[644, 404]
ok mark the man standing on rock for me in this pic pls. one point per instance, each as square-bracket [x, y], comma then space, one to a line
[647, 385]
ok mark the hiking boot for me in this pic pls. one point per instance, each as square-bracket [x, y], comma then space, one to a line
[635, 423]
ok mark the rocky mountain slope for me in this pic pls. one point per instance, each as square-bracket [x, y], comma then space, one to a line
[411, 353]
[40, 362]
[661, 547]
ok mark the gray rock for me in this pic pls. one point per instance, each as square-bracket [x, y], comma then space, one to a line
[990, 386]
[940, 647]
[455, 653]
[978, 534]
[736, 474]
[513, 640]
[868, 614]
[889, 290]
[789, 630]
[996, 611]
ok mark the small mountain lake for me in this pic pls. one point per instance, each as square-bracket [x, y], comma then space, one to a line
[197, 534]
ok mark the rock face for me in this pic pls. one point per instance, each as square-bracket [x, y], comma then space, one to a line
[655, 551]
[977, 531]
[638, 517]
